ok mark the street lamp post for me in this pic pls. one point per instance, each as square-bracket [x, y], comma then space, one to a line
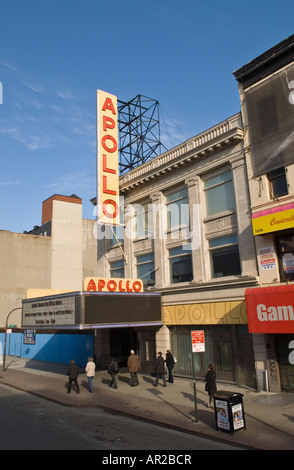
[6, 327]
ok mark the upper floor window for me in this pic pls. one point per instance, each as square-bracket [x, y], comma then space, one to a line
[117, 269]
[177, 204]
[115, 234]
[224, 253]
[144, 223]
[278, 182]
[180, 265]
[146, 269]
[219, 192]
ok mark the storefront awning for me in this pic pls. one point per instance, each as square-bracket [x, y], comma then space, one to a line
[270, 309]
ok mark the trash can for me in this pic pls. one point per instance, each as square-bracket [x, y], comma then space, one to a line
[229, 411]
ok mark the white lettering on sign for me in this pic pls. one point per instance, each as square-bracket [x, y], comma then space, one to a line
[291, 355]
[280, 313]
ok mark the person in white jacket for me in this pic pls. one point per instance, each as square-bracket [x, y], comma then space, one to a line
[90, 371]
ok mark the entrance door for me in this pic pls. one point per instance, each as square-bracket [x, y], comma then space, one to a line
[285, 248]
[285, 346]
[122, 340]
[245, 355]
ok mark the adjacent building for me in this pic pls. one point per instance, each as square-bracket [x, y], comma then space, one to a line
[266, 87]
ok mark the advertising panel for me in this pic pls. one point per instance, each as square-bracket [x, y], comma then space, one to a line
[107, 159]
[222, 414]
[270, 309]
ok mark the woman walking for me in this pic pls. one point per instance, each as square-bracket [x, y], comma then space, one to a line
[90, 371]
[210, 385]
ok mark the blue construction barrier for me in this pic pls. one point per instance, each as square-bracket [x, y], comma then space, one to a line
[59, 348]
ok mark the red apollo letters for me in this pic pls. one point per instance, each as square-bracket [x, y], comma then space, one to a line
[113, 285]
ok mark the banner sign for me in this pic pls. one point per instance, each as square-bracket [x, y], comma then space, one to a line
[107, 159]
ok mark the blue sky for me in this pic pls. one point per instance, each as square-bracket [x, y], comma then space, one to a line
[54, 55]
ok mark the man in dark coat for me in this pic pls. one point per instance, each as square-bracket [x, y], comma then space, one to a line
[169, 359]
[159, 370]
[210, 385]
[73, 373]
[113, 370]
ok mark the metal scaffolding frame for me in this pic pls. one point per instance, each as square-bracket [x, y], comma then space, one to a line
[139, 132]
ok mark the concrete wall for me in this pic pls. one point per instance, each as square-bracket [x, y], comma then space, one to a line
[25, 263]
[67, 270]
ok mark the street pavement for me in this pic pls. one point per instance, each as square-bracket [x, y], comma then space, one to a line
[269, 416]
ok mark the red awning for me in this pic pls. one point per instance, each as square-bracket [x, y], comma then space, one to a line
[270, 309]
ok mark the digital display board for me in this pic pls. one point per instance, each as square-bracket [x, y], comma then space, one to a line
[114, 308]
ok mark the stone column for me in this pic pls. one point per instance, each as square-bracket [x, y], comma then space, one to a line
[160, 228]
[196, 227]
[243, 215]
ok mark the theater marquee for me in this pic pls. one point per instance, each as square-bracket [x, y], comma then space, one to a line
[91, 310]
[107, 159]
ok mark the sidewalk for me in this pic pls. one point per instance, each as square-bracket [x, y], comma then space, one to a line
[269, 416]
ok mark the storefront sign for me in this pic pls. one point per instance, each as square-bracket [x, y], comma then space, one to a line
[198, 344]
[270, 309]
[99, 284]
[272, 220]
[107, 159]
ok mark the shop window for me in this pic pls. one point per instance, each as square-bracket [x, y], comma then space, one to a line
[225, 259]
[177, 208]
[219, 193]
[146, 269]
[285, 246]
[117, 269]
[180, 265]
[278, 182]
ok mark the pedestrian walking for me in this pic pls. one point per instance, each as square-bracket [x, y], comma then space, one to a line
[90, 371]
[73, 373]
[113, 370]
[159, 370]
[134, 365]
[169, 360]
[210, 385]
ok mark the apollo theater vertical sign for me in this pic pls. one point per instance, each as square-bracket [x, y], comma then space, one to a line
[107, 159]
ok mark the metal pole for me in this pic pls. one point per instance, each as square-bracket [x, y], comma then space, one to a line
[194, 386]
[6, 327]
